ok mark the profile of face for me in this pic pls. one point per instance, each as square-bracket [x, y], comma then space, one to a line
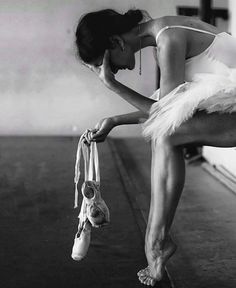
[108, 29]
[121, 55]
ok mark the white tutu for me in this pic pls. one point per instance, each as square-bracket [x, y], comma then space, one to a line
[206, 91]
[210, 85]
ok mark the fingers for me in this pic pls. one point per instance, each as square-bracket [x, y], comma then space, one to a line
[98, 125]
[96, 134]
[88, 135]
[105, 63]
[106, 57]
[86, 139]
[98, 137]
[93, 131]
[92, 67]
[88, 65]
[93, 135]
[106, 60]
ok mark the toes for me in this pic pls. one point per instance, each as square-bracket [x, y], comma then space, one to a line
[148, 281]
[140, 272]
[143, 271]
[145, 278]
[142, 279]
[153, 281]
[142, 276]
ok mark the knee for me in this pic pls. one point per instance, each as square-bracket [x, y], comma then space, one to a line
[167, 144]
[165, 141]
[180, 138]
[170, 141]
[167, 148]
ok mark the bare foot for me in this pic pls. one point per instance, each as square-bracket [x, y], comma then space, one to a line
[157, 260]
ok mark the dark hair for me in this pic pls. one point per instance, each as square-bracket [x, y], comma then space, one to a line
[94, 30]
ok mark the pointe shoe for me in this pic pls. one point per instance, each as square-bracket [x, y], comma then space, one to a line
[81, 242]
[97, 210]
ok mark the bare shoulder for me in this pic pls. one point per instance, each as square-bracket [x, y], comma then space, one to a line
[189, 21]
[182, 36]
[166, 37]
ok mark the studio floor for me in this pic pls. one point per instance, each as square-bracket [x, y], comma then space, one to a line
[38, 222]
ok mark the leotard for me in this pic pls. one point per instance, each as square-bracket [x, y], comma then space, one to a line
[210, 85]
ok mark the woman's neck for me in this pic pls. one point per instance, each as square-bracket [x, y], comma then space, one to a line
[143, 32]
[147, 35]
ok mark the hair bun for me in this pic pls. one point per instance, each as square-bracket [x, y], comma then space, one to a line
[95, 28]
[134, 16]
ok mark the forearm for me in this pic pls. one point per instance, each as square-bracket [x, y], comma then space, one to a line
[134, 98]
[130, 118]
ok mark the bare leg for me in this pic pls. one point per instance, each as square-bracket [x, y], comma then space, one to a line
[168, 174]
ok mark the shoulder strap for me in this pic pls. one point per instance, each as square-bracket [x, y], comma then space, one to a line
[185, 27]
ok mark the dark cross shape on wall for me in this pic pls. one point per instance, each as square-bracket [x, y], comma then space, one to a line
[205, 12]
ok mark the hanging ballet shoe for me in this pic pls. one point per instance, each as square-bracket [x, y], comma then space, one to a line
[81, 241]
[97, 210]
[94, 211]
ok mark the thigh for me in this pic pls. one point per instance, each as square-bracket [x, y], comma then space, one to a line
[212, 129]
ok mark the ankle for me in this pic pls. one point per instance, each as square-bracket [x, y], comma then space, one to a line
[155, 241]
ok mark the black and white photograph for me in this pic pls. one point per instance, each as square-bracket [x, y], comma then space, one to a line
[118, 143]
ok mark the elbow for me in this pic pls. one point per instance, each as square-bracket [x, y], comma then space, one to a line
[146, 109]
[143, 117]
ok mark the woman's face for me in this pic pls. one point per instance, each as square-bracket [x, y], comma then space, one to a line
[122, 58]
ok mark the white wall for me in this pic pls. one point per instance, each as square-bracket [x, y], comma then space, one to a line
[44, 89]
[232, 13]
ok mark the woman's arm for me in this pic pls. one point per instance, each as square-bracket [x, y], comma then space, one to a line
[104, 126]
[134, 98]
[171, 56]
[107, 77]
[130, 118]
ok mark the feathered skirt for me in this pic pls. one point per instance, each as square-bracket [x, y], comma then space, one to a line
[209, 92]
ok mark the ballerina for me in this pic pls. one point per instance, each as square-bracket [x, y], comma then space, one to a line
[195, 104]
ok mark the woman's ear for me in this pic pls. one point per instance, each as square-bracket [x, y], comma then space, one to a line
[117, 42]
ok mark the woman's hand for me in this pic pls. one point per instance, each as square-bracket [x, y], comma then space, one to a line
[104, 71]
[102, 129]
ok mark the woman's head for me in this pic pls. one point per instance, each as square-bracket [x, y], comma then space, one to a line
[101, 30]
